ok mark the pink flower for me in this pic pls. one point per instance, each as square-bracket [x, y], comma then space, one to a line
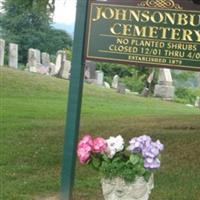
[84, 149]
[99, 145]
[87, 139]
[84, 152]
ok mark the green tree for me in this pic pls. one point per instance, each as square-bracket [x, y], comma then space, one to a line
[28, 23]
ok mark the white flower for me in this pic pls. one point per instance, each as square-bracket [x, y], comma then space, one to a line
[114, 145]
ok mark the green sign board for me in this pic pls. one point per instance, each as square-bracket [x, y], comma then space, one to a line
[161, 33]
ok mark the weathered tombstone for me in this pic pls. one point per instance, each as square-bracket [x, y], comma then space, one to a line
[42, 70]
[45, 59]
[121, 88]
[197, 102]
[60, 58]
[32, 60]
[145, 92]
[38, 57]
[99, 78]
[127, 91]
[13, 55]
[90, 70]
[164, 88]
[64, 71]
[2, 51]
[107, 85]
[115, 82]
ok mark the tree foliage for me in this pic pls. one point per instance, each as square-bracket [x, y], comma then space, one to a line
[28, 23]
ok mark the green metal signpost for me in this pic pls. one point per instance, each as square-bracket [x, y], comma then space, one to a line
[74, 103]
[107, 41]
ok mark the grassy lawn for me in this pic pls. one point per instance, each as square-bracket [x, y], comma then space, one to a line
[32, 125]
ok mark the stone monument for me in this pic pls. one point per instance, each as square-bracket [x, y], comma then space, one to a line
[32, 60]
[60, 58]
[99, 78]
[164, 88]
[2, 51]
[45, 59]
[64, 71]
[115, 82]
[197, 102]
[13, 55]
[90, 70]
[121, 88]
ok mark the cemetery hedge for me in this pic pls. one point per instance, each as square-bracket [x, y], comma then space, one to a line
[32, 122]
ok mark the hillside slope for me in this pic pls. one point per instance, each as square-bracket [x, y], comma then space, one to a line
[32, 123]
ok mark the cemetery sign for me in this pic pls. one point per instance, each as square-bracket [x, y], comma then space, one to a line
[162, 33]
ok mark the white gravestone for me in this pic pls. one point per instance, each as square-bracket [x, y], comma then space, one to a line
[90, 70]
[32, 60]
[197, 102]
[115, 82]
[121, 88]
[38, 57]
[65, 70]
[164, 88]
[106, 85]
[99, 78]
[13, 55]
[2, 51]
[45, 59]
[60, 58]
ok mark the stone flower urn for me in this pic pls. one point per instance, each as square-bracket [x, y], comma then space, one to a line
[118, 189]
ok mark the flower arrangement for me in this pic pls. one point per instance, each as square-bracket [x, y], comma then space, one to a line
[113, 159]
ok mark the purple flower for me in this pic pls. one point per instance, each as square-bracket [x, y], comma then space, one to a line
[152, 163]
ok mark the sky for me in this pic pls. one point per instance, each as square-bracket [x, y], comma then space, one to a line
[65, 12]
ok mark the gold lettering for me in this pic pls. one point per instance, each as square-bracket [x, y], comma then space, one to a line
[153, 32]
[175, 34]
[98, 16]
[145, 16]
[197, 32]
[192, 20]
[140, 31]
[120, 14]
[136, 16]
[187, 35]
[157, 17]
[116, 29]
[108, 13]
[182, 19]
[171, 17]
[127, 29]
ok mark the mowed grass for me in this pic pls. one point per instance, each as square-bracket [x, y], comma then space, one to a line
[32, 127]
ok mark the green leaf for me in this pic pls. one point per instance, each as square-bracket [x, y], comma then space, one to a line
[134, 159]
[96, 162]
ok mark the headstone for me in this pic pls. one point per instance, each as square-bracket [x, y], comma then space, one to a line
[38, 57]
[60, 58]
[121, 88]
[164, 88]
[45, 59]
[99, 78]
[197, 102]
[42, 70]
[127, 91]
[145, 92]
[198, 78]
[2, 51]
[115, 82]
[32, 60]
[52, 68]
[13, 55]
[90, 70]
[107, 85]
[65, 70]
